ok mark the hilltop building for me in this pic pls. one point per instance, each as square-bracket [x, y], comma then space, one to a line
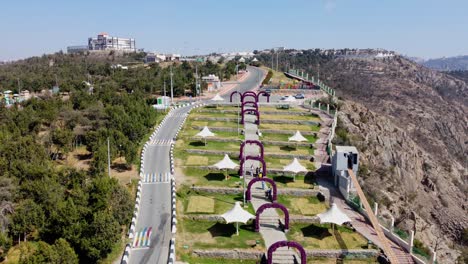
[104, 42]
[212, 81]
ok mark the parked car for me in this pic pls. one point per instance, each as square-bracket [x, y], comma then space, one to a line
[268, 91]
[283, 97]
[299, 96]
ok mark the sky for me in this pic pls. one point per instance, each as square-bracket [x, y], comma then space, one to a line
[420, 28]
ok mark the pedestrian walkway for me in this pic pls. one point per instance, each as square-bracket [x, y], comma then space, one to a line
[270, 227]
[359, 222]
[156, 177]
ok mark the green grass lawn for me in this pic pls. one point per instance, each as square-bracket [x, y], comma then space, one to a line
[289, 149]
[276, 163]
[303, 205]
[212, 178]
[222, 202]
[196, 260]
[289, 127]
[290, 117]
[344, 261]
[214, 235]
[189, 132]
[213, 114]
[315, 236]
[285, 137]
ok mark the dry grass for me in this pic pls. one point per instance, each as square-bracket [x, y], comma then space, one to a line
[200, 204]
[304, 206]
[196, 160]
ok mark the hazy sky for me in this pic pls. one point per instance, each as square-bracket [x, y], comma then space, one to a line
[424, 28]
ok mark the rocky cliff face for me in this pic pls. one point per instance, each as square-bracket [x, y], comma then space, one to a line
[410, 125]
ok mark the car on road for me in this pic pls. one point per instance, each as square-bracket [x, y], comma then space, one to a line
[268, 91]
[284, 97]
[299, 96]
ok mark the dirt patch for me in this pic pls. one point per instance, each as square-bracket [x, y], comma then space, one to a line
[200, 204]
[122, 173]
[181, 178]
[196, 160]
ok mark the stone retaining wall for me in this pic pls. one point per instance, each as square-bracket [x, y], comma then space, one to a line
[281, 191]
[263, 121]
[315, 113]
[235, 154]
[311, 253]
[265, 142]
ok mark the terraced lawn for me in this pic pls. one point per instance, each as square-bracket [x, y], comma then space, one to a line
[303, 205]
[289, 127]
[315, 236]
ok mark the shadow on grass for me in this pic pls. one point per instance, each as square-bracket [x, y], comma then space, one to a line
[315, 231]
[120, 167]
[283, 179]
[84, 156]
[197, 144]
[215, 176]
[222, 230]
[310, 178]
[288, 148]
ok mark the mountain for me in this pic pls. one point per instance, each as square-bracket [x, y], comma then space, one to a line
[410, 125]
[447, 64]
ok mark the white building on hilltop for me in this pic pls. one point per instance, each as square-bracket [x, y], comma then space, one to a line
[106, 42]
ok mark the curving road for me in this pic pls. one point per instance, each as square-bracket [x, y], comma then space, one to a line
[153, 228]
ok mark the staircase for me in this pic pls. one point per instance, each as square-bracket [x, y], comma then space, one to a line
[285, 256]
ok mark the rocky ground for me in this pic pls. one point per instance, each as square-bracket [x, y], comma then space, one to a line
[410, 125]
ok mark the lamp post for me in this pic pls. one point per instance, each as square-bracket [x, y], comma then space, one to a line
[243, 171]
[238, 114]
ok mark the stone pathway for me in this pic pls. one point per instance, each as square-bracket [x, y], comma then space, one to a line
[359, 222]
[269, 219]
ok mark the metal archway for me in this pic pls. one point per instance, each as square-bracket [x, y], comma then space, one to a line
[264, 94]
[279, 244]
[256, 112]
[274, 205]
[256, 142]
[233, 93]
[270, 181]
[241, 170]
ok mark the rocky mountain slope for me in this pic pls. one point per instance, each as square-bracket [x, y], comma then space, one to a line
[447, 64]
[410, 124]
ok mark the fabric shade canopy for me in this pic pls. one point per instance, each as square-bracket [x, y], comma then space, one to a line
[334, 215]
[290, 99]
[297, 137]
[294, 166]
[217, 98]
[205, 132]
[237, 215]
[226, 163]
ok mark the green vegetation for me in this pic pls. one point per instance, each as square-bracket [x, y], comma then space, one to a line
[289, 127]
[314, 236]
[285, 137]
[303, 205]
[195, 260]
[268, 77]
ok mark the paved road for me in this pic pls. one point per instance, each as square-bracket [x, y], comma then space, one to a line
[153, 229]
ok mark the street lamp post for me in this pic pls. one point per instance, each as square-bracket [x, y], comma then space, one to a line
[238, 114]
[243, 170]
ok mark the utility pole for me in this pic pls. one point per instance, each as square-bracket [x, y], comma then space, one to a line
[197, 85]
[19, 87]
[108, 157]
[277, 61]
[172, 87]
[272, 55]
[164, 88]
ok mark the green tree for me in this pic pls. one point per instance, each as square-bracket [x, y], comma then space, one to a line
[28, 217]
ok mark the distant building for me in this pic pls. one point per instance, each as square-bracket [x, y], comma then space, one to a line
[154, 58]
[172, 57]
[106, 42]
[212, 82]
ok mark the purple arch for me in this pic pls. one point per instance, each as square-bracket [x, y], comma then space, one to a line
[270, 181]
[257, 113]
[232, 94]
[293, 244]
[275, 205]
[265, 94]
[256, 142]
[253, 158]
[251, 104]
[244, 96]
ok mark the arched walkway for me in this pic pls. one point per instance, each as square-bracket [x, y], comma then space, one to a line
[253, 158]
[246, 95]
[265, 94]
[256, 112]
[233, 93]
[256, 142]
[251, 104]
[279, 244]
[268, 180]
[275, 205]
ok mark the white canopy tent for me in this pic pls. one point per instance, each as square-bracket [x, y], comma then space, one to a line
[334, 216]
[298, 137]
[226, 163]
[204, 133]
[294, 167]
[237, 215]
[217, 98]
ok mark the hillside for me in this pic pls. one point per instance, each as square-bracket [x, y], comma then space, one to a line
[448, 64]
[410, 124]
